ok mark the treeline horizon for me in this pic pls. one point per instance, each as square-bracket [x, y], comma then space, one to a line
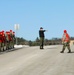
[36, 42]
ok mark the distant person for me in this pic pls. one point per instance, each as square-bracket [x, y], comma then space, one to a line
[41, 35]
[66, 42]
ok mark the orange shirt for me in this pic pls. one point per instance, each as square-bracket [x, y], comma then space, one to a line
[66, 37]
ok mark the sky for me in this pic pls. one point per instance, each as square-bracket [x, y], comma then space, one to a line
[53, 15]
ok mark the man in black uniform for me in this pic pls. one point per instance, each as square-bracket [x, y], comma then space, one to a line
[41, 35]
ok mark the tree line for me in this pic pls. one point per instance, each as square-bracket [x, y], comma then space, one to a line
[53, 41]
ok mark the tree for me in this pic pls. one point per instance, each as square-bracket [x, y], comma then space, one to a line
[37, 39]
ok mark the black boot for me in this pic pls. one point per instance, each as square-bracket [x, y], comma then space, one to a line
[61, 51]
[69, 51]
[41, 47]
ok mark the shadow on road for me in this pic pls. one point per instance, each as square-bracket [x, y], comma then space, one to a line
[10, 50]
[72, 52]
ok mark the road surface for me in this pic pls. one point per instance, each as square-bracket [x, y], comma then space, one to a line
[33, 61]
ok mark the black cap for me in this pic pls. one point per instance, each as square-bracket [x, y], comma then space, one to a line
[41, 28]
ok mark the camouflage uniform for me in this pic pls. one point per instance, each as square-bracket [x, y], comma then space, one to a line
[66, 45]
[66, 42]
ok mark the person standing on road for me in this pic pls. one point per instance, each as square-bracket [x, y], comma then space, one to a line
[41, 35]
[66, 41]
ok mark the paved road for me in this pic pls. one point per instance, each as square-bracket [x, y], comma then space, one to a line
[33, 61]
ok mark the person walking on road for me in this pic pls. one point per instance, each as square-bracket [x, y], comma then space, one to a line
[42, 36]
[66, 42]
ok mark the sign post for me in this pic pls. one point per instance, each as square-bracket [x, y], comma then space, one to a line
[16, 26]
